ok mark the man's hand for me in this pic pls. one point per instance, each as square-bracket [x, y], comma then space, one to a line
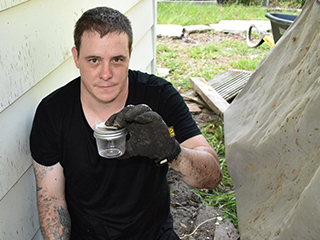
[149, 134]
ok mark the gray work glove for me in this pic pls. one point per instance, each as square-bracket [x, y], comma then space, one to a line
[149, 134]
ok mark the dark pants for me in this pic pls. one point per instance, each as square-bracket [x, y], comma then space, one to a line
[167, 232]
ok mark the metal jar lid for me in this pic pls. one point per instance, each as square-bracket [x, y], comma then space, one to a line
[102, 131]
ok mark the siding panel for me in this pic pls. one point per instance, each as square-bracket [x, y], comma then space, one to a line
[36, 38]
[143, 20]
[15, 156]
[20, 210]
[5, 4]
[142, 61]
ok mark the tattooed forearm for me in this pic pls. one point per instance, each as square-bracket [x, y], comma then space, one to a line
[54, 218]
[65, 221]
[55, 221]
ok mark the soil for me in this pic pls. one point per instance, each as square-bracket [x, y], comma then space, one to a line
[197, 38]
[194, 220]
[202, 38]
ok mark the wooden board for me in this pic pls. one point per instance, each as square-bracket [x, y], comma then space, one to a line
[222, 88]
[217, 103]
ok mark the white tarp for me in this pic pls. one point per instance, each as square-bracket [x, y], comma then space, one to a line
[272, 135]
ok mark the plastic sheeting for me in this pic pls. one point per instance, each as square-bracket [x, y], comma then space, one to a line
[272, 135]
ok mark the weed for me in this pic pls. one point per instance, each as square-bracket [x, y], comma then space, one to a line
[245, 64]
[225, 201]
[214, 133]
[223, 196]
[204, 51]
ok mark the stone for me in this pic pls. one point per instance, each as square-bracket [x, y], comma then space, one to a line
[194, 108]
[168, 30]
[196, 29]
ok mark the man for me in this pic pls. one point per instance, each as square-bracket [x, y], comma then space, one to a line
[82, 195]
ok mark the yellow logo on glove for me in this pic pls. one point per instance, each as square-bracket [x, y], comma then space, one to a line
[171, 132]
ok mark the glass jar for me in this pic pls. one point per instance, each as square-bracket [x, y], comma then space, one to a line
[111, 142]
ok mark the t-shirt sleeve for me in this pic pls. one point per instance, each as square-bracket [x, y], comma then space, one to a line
[44, 144]
[176, 113]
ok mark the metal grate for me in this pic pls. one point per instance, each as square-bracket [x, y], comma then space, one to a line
[230, 83]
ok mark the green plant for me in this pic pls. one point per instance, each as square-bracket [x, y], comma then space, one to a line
[214, 133]
[287, 3]
[223, 196]
[201, 51]
[206, 60]
[225, 201]
[186, 13]
[245, 64]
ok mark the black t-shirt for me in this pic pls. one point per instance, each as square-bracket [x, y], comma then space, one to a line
[108, 198]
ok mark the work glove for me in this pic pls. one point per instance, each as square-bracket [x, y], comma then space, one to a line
[149, 135]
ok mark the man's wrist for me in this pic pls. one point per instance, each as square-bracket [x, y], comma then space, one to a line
[175, 153]
[172, 156]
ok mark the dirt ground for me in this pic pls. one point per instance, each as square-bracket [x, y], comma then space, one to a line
[195, 39]
[194, 220]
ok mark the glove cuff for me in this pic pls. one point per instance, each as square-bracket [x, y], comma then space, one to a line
[175, 153]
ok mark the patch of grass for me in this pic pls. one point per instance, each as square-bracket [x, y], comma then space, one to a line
[206, 60]
[186, 13]
[222, 197]
[245, 64]
[214, 133]
[204, 51]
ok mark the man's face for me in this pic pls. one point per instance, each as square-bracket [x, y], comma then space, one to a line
[103, 64]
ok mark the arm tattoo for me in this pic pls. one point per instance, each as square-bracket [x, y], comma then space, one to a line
[53, 214]
[40, 171]
[57, 224]
[65, 221]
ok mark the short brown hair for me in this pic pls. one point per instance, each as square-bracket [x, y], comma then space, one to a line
[103, 20]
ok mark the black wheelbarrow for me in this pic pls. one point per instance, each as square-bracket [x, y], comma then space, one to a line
[279, 24]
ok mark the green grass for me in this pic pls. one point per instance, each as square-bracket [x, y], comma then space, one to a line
[207, 60]
[192, 14]
[204, 51]
[222, 197]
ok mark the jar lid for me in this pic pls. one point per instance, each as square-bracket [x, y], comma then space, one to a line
[102, 131]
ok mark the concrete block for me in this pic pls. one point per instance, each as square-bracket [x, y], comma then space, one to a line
[197, 28]
[166, 30]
